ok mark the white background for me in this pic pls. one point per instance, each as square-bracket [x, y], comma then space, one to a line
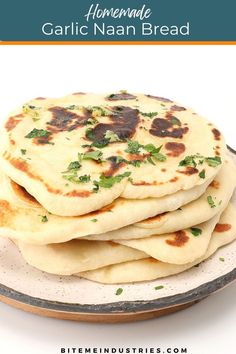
[202, 77]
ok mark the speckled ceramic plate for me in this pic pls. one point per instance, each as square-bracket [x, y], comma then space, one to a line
[78, 299]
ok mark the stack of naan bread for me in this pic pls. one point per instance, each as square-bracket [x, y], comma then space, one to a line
[114, 188]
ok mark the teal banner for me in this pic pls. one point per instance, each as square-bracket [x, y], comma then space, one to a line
[117, 20]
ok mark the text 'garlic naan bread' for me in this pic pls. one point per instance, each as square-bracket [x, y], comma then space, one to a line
[78, 153]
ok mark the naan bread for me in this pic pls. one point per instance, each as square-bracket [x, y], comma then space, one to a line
[150, 269]
[196, 212]
[41, 142]
[76, 256]
[180, 247]
[23, 218]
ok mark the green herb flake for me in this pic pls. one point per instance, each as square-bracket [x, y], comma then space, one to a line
[130, 179]
[44, 218]
[133, 147]
[38, 133]
[159, 287]
[222, 259]
[109, 181]
[194, 160]
[111, 95]
[71, 107]
[119, 291]
[202, 174]
[74, 165]
[111, 136]
[23, 151]
[211, 201]
[91, 155]
[155, 152]
[94, 220]
[149, 114]
[195, 231]
[175, 121]
[213, 161]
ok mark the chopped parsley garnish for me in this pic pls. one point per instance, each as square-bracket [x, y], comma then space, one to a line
[31, 110]
[91, 155]
[111, 136]
[213, 161]
[74, 178]
[130, 179]
[202, 174]
[159, 287]
[108, 138]
[111, 95]
[222, 259]
[94, 220]
[211, 201]
[196, 231]
[90, 121]
[38, 133]
[119, 291]
[109, 181]
[73, 106]
[74, 165]
[155, 152]
[149, 114]
[175, 121]
[197, 159]
[44, 218]
[23, 151]
[190, 160]
[71, 173]
[133, 147]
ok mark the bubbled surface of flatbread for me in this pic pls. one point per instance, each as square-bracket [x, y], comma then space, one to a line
[39, 163]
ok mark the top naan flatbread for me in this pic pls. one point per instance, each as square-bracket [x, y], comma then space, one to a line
[78, 153]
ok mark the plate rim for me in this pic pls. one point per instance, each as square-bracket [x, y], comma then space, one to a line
[124, 307]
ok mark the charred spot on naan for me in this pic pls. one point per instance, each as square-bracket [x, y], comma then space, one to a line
[124, 121]
[76, 193]
[152, 260]
[165, 128]
[78, 93]
[23, 166]
[120, 96]
[177, 108]
[113, 244]
[215, 184]
[6, 212]
[22, 193]
[40, 98]
[179, 240]
[176, 149]
[105, 209]
[162, 99]
[174, 179]
[216, 134]
[154, 219]
[65, 120]
[222, 227]
[189, 171]
[114, 166]
[13, 121]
